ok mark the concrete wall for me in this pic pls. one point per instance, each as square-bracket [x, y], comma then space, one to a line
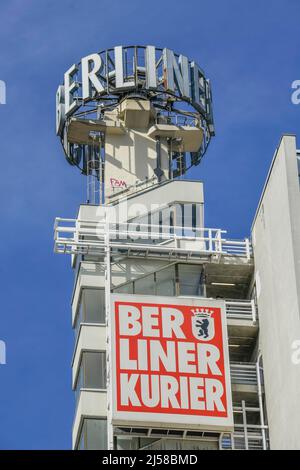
[276, 240]
[91, 337]
[150, 200]
[91, 404]
[132, 157]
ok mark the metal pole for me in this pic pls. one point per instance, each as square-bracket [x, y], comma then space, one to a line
[247, 248]
[260, 401]
[232, 441]
[253, 308]
[158, 171]
[210, 242]
[245, 424]
[110, 439]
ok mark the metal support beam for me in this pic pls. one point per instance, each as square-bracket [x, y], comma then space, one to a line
[260, 400]
[245, 424]
[110, 436]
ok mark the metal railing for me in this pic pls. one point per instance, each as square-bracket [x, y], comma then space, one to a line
[238, 441]
[73, 236]
[243, 373]
[246, 435]
[241, 310]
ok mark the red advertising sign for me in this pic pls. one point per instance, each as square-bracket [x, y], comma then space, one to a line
[170, 361]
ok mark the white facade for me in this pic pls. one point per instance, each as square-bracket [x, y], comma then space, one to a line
[148, 240]
[276, 241]
[187, 262]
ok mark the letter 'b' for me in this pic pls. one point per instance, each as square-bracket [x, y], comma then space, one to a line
[129, 320]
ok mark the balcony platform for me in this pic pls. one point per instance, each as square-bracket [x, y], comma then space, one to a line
[80, 131]
[93, 238]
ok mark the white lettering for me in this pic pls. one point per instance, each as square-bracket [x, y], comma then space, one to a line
[208, 356]
[160, 356]
[150, 398]
[176, 74]
[89, 75]
[214, 392]
[150, 321]
[120, 82]
[169, 389]
[125, 361]
[172, 319]
[296, 94]
[129, 320]
[186, 355]
[70, 87]
[128, 393]
[197, 393]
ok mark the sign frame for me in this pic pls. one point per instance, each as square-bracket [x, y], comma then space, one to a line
[171, 420]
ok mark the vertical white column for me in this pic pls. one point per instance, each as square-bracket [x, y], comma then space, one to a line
[260, 400]
[245, 424]
[110, 437]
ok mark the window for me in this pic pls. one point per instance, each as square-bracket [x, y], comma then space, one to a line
[91, 308]
[145, 285]
[165, 281]
[138, 443]
[159, 283]
[125, 289]
[191, 279]
[93, 435]
[92, 372]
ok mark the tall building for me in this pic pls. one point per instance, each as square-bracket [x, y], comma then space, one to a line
[276, 242]
[172, 320]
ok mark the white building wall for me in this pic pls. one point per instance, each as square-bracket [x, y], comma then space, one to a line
[132, 157]
[276, 240]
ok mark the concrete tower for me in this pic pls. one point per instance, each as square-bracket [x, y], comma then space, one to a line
[167, 354]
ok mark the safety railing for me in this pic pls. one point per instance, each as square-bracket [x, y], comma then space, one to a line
[241, 310]
[90, 237]
[253, 440]
[243, 373]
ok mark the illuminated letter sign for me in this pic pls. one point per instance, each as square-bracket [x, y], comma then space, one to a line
[175, 74]
[109, 72]
[170, 362]
[91, 65]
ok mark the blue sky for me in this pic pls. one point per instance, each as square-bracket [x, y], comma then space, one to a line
[249, 49]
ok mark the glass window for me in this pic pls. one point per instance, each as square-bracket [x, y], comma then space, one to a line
[133, 443]
[125, 289]
[94, 368]
[159, 283]
[91, 308]
[145, 285]
[165, 281]
[79, 320]
[127, 443]
[93, 302]
[93, 435]
[92, 372]
[182, 444]
[191, 279]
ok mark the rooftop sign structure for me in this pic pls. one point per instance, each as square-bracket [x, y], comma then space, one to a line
[149, 70]
[175, 87]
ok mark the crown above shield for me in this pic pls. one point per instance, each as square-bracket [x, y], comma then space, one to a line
[202, 312]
